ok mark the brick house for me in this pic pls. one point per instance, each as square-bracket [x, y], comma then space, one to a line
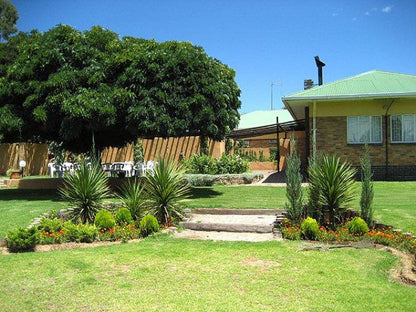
[376, 108]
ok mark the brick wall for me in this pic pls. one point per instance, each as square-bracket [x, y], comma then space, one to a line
[331, 137]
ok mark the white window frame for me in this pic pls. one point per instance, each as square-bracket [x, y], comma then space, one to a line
[371, 141]
[414, 128]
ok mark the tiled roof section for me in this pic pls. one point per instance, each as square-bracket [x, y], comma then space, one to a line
[263, 118]
[371, 83]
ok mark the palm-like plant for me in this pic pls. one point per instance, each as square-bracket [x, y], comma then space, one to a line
[85, 192]
[165, 188]
[132, 196]
[335, 180]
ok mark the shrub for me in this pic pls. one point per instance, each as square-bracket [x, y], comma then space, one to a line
[132, 196]
[123, 216]
[165, 188]
[87, 233]
[262, 158]
[335, 181]
[290, 231]
[231, 164]
[148, 225]
[85, 191]
[273, 153]
[104, 220]
[52, 231]
[294, 192]
[309, 228]
[200, 163]
[367, 192]
[357, 226]
[21, 239]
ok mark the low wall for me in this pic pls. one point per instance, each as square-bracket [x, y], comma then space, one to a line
[263, 166]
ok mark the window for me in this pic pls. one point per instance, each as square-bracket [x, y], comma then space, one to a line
[403, 128]
[246, 143]
[273, 141]
[364, 129]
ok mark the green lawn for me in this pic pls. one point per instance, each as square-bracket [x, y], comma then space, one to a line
[166, 274]
[20, 207]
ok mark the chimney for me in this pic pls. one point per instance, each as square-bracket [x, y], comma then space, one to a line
[307, 84]
[319, 64]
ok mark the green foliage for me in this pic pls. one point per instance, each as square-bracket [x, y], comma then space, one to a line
[85, 192]
[367, 192]
[335, 182]
[21, 239]
[104, 220]
[165, 188]
[294, 192]
[290, 231]
[228, 146]
[262, 158]
[231, 164]
[50, 225]
[8, 19]
[56, 149]
[148, 225]
[132, 197]
[12, 170]
[123, 216]
[200, 164]
[309, 228]
[227, 164]
[65, 85]
[138, 151]
[79, 233]
[314, 192]
[273, 153]
[357, 226]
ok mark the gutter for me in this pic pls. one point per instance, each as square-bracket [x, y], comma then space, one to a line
[350, 96]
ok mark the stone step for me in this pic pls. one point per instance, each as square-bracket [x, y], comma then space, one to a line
[224, 211]
[227, 236]
[224, 227]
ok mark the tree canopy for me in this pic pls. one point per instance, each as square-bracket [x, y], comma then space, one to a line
[8, 19]
[66, 85]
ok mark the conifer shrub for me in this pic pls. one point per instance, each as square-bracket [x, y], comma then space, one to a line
[104, 220]
[357, 226]
[21, 239]
[123, 216]
[309, 228]
[148, 225]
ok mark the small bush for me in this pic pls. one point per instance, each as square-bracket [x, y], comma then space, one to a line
[148, 225]
[123, 216]
[200, 179]
[309, 228]
[50, 225]
[200, 163]
[21, 239]
[80, 233]
[104, 220]
[357, 226]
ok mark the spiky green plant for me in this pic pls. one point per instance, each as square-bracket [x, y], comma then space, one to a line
[165, 188]
[367, 192]
[133, 198]
[335, 181]
[85, 192]
[294, 192]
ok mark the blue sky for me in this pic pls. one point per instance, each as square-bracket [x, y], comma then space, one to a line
[264, 41]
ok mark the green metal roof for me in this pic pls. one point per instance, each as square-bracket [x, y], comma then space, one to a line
[370, 84]
[263, 118]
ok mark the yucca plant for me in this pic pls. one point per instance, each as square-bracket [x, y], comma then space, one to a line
[133, 198]
[335, 181]
[165, 188]
[85, 192]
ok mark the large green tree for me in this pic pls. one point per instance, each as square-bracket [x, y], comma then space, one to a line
[65, 85]
[8, 19]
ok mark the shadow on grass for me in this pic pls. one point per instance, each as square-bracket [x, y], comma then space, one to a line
[203, 192]
[29, 195]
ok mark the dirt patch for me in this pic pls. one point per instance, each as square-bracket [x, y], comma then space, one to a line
[259, 263]
[407, 272]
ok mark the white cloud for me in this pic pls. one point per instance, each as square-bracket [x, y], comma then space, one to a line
[386, 9]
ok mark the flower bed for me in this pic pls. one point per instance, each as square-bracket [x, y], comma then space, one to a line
[342, 233]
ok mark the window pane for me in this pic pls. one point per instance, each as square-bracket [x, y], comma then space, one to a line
[364, 129]
[396, 128]
[408, 128]
[376, 129]
[352, 129]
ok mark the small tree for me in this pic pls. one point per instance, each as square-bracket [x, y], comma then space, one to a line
[314, 193]
[367, 192]
[294, 192]
[138, 152]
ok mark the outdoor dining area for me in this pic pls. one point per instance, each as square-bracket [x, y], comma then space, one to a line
[115, 169]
